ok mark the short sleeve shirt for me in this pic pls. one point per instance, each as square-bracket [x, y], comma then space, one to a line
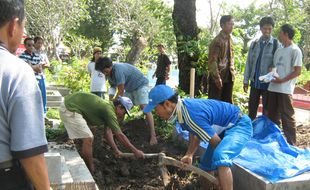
[22, 132]
[32, 59]
[162, 63]
[95, 110]
[129, 75]
[206, 117]
[97, 79]
[285, 59]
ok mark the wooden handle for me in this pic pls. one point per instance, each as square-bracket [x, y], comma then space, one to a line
[131, 155]
[173, 162]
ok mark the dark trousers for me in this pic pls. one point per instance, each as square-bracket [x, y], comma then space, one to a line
[100, 94]
[280, 109]
[14, 178]
[160, 80]
[223, 94]
[255, 95]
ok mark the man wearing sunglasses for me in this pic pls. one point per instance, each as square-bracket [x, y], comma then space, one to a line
[34, 60]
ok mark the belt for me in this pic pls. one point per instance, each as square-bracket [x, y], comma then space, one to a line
[8, 164]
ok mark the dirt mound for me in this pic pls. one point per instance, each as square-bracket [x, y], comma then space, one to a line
[120, 173]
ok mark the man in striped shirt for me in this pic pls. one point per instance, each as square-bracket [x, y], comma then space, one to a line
[220, 124]
[35, 61]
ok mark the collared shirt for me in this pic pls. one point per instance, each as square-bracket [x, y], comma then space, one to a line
[206, 117]
[129, 75]
[221, 58]
[257, 83]
[262, 55]
[22, 132]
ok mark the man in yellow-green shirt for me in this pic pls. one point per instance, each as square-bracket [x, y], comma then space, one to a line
[81, 110]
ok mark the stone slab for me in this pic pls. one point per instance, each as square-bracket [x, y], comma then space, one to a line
[245, 180]
[53, 95]
[53, 161]
[76, 176]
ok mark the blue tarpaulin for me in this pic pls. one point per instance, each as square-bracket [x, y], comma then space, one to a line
[267, 153]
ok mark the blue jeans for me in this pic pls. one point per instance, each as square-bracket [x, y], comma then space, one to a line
[41, 83]
[235, 138]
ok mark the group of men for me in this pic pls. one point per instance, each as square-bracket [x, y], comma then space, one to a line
[222, 124]
[265, 54]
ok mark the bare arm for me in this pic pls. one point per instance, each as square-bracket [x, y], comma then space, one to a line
[192, 147]
[110, 139]
[36, 170]
[120, 90]
[125, 141]
[294, 74]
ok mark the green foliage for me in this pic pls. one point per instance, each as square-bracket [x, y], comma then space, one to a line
[75, 75]
[54, 134]
[304, 77]
[52, 113]
[163, 128]
[98, 25]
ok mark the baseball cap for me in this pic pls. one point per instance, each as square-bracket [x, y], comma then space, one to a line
[126, 102]
[96, 49]
[157, 95]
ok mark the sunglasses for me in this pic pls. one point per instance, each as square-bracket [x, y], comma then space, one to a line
[29, 45]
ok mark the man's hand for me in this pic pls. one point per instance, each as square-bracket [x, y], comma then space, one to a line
[187, 160]
[153, 140]
[218, 83]
[245, 88]
[139, 154]
[117, 153]
[277, 80]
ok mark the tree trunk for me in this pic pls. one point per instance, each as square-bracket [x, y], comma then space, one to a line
[137, 46]
[186, 30]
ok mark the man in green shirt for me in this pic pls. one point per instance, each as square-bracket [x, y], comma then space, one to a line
[81, 110]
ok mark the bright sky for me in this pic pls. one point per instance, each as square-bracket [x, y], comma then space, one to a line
[202, 7]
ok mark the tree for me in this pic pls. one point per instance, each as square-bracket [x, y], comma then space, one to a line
[139, 24]
[246, 23]
[53, 19]
[98, 25]
[186, 32]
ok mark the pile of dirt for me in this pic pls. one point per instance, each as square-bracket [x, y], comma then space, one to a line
[123, 173]
[126, 173]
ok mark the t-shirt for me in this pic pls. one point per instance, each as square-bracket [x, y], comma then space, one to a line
[22, 132]
[285, 59]
[206, 117]
[162, 63]
[129, 75]
[95, 110]
[32, 59]
[97, 83]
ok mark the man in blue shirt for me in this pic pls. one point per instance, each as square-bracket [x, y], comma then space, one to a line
[128, 78]
[259, 63]
[221, 124]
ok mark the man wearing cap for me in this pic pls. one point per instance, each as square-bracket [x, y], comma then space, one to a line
[220, 124]
[126, 77]
[97, 83]
[81, 110]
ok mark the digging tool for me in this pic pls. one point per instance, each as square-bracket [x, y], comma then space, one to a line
[164, 160]
[131, 155]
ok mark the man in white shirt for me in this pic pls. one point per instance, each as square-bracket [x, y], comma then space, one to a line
[288, 62]
[97, 84]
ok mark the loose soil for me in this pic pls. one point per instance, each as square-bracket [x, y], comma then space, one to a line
[123, 173]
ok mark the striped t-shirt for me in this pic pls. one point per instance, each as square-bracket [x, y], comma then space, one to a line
[206, 117]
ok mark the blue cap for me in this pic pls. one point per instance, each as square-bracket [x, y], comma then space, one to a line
[126, 102]
[157, 95]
